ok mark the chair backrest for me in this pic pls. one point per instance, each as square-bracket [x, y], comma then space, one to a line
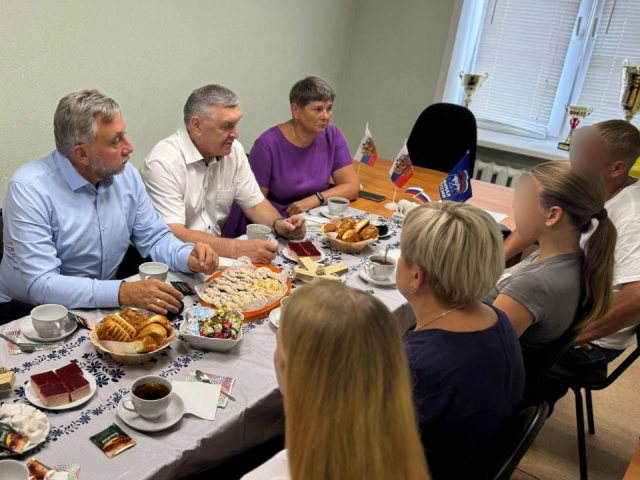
[512, 441]
[441, 136]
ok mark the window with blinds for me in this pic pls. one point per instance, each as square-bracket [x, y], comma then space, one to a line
[523, 45]
[618, 38]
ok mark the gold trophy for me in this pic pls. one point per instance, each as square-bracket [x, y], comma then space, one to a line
[630, 95]
[471, 82]
[576, 113]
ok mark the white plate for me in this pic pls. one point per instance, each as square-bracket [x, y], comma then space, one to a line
[168, 419]
[30, 446]
[274, 317]
[26, 327]
[288, 256]
[380, 283]
[324, 211]
[33, 398]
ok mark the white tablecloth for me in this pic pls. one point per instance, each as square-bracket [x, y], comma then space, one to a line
[192, 444]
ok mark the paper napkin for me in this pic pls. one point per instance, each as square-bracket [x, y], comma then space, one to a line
[200, 399]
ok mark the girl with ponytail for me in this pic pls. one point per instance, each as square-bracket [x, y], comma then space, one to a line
[542, 294]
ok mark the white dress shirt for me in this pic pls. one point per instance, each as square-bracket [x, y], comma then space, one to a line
[186, 190]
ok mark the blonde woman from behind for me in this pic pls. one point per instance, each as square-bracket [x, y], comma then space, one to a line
[344, 377]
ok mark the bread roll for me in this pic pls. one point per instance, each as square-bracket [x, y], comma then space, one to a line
[340, 233]
[361, 224]
[132, 317]
[110, 330]
[159, 319]
[347, 223]
[350, 236]
[153, 330]
[145, 344]
[368, 233]
[330, 227]
[123, 323]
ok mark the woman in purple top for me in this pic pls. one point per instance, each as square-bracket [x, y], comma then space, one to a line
[293, 162]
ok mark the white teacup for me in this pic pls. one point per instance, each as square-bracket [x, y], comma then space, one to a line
[337, 205]
[377, 270]
[149, 409]
[153, 270]
[255, 231]
[49, 319]
[13, 470]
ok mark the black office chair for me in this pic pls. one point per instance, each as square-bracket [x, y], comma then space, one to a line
[510, 443]
[441, 136]
[589, 378]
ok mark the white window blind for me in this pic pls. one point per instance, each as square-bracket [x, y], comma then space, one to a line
[618, 37]
[522, 47]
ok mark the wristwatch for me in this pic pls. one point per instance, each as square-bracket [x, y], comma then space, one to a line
[273, 225]
[320, 197]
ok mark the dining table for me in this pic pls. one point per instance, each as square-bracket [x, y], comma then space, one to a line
[256, 415]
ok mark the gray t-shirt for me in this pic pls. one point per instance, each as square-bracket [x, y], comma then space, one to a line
[549, 289]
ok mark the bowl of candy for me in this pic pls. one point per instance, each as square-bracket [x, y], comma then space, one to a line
[210, 329]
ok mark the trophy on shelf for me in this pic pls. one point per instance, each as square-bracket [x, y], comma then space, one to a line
[576, 113]
[630, 95]
[471, 82]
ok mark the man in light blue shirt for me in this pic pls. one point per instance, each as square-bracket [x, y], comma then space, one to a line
[69, 218]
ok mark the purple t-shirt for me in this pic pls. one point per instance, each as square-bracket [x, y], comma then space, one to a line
[292, 173]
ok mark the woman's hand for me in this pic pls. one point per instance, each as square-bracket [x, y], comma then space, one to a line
[303, 205]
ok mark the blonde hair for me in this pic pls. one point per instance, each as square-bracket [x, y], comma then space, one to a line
[582, 199]
[621, 139]
[348, 404]
[457, 246]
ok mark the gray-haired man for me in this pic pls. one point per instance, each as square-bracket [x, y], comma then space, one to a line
[69, 218]
[195, 175]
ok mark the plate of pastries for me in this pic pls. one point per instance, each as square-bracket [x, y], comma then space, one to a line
[142, 332]
[349, 235]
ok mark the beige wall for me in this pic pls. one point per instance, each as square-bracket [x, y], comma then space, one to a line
[149, 55]
[393, 67]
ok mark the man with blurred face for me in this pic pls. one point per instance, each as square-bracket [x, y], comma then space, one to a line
[195, 175]
[69, 218]
[609, 149]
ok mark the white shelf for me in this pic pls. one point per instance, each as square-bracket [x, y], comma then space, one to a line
[544, 149]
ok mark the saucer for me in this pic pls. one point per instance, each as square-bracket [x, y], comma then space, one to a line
[391, 282]
[324, 211]
[26, 327]
[386, 235]
[169, 418]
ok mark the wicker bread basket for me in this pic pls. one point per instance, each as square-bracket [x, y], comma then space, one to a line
[346, 247]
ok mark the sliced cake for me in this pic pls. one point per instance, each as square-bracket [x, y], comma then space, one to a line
[73, 378]
[304, 249]
[50, 389]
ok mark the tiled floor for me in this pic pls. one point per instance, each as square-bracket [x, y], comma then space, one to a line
[554, 454]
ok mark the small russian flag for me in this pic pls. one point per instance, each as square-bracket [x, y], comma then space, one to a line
[367, 152]
[422, 197]
[413, 190]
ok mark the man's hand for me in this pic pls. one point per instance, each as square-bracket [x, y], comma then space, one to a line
[203, 259]
[257, 250]
[303, 205]
[152, 295]
[293, 228]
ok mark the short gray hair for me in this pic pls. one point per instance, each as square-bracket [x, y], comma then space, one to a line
[311, 89]
[75, 119]
[202, 99]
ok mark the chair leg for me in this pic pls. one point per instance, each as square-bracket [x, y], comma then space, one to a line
[590, 421]
[582, 448]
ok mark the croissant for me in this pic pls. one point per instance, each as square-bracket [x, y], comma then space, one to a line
[123, 323]
[350, 236]
[330, 227]
[153, 330]
[369, 232]
[145, 344]
[110, 330]
[159, 319]
[132, 317]
[347, 224]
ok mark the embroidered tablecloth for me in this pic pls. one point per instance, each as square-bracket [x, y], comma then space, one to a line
[192, 444]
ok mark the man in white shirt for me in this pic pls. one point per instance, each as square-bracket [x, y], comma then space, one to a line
[609, 148]
[195, 175]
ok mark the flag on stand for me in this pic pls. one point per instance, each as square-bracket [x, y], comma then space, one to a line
[367, 152]
[401, 170]
[457, 186]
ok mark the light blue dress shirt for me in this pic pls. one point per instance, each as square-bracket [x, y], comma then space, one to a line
[64, 239]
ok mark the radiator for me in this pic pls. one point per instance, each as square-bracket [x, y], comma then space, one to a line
[497, 174]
